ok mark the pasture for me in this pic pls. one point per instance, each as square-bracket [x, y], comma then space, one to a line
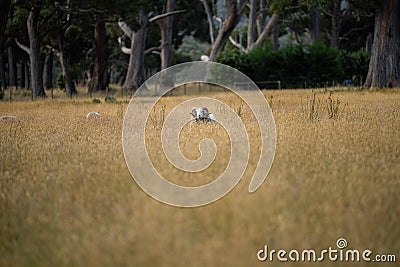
[68, 199]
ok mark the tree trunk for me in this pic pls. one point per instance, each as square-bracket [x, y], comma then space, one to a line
[234, 10]
[384, 66]
[368, 43]
[34, 55]
[70, 88]
[26, 76]
[275, 37]
[135, 74]
[3, 80]
[22, 71]
[262, 15]
[4, 9]
[315, 24]
[251, 30]
[166, 27]
[210, 20]
[12, 67]
[48, 71]
[99, 81]
[336, 21]
[264, 34]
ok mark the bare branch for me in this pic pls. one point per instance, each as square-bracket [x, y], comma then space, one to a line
[53, 49]
[125, 28]
[267, 29]
[161, 16]
[236, 44]
[220, 20]
[241, 5]
[210, 20]
[261, 11]
[154, 49]
[23, 47]
[124, 49]
[353, 30]
[89, 10]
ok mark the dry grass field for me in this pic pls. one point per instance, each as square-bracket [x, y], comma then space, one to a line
[68, 199]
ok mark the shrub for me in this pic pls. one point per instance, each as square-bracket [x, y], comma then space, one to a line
[60, 82]
[323, 64]
[96, 100]
[236, 59]
[295, 65]
[354, 65]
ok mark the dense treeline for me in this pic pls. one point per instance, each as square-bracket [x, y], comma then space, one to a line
[66, 43]
[295, 66]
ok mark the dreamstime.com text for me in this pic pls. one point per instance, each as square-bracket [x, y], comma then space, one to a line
[338, 253]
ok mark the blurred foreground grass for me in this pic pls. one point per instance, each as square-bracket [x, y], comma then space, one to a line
[67, 197]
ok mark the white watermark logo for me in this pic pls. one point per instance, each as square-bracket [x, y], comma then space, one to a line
[339, 253]
[146, 97]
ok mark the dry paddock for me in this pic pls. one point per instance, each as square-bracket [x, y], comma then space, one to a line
[68, 199]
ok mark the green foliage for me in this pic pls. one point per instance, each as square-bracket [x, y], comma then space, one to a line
[192, 47]
[78, 42]
[323, 64]
[235, 59]
[315, 65]
[60, 82]
[110, 99]
[181, 58]
[96, 101]
[354, 64]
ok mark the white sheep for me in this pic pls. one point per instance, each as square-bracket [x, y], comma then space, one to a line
[93, 115]
[202, 114]
[7, 118]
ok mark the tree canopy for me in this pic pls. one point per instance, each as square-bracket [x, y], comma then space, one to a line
[95, 43]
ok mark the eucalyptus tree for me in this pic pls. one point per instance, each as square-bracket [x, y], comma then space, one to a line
[34, 24]
[384, 66]
[219, 34]
[145, 16]
[39, 24]
[4, 11]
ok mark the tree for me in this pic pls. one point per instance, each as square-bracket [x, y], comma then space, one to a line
[384, 66]
[4, 10]
[47, 72]
[34, 50]
[234, 11]
[12, 66]
[258, 30]
[70, 88]
[137, 51]
[166, 27]
[98, 79]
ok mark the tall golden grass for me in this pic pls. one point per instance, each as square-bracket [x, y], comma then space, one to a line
[68, 199]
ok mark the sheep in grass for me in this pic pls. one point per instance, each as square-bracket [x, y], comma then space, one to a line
[202, 115]
[93, 115]
[7, 118]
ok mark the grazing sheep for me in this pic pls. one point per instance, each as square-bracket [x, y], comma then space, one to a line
[93, 115]
[202, 114]
[204, 58]
[7, 118]
[212, 118]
